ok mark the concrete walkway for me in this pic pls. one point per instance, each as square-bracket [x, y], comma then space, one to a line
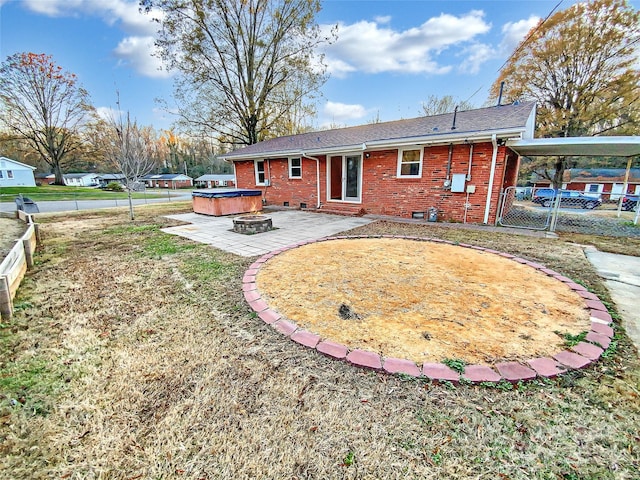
[291, 226]
[622, 278]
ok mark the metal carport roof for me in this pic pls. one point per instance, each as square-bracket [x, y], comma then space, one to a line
[577, 146]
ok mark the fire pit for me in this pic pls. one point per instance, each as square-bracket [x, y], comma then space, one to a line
[252, 224]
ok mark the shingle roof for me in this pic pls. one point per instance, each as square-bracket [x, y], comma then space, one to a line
[215, 176]
[166, 176]
[483, 120]
[80, 175]
[111, 176]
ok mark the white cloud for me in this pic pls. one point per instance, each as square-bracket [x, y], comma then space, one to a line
[108, 114]
[366, 46]
[381, 19]
[476, 55]
[342, 112]
[137, 52]
[514, 32]
[134, 51]
[125, 13]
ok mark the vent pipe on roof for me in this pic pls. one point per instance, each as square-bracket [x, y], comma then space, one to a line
[455, 114]
[500, 94]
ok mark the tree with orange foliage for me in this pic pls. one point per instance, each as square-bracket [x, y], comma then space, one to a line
[580, 66]
[45, 106]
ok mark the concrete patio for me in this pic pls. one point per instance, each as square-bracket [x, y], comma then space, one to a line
[290, 227]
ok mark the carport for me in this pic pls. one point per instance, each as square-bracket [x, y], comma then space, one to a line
[615, 146]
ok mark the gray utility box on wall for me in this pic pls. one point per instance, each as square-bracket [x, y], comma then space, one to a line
[457, 182]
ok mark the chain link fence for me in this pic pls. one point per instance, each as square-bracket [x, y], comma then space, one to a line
[58, 202]
[571, 211]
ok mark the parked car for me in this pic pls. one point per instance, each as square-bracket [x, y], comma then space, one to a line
[630, 202]
[546, 197]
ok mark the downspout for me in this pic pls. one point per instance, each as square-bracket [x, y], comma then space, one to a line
[492, 174]
[317, 174]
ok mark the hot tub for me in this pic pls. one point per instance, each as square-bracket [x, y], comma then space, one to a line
[226, 201]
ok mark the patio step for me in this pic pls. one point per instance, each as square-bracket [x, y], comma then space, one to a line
[341, 209]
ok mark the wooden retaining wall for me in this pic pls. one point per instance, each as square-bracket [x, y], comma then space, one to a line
[15, 265]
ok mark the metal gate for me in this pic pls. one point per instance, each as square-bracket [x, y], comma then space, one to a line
[515, 213]
[570, 211]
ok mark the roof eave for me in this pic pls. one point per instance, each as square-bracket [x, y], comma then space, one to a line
[440, 139]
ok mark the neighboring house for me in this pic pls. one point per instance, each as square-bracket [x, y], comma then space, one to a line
[81, 179]
[105, 179]
[16, 174]
[608, 181]
[45, 178]
[216, 180]
[167, 180]
[456, 163]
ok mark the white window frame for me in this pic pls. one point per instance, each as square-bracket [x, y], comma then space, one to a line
[291, 167]
[257, 172]
[9, 173]
[400, 162]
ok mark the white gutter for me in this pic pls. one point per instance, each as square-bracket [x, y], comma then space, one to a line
[492, 174]
[317, 173]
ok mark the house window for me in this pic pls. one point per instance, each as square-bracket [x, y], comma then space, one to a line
[9, 173]
[295, 168]
[410, 162]
[1, 174]
[259, 168]
[594, 187]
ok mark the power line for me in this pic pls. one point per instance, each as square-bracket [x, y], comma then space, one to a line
[522, 44]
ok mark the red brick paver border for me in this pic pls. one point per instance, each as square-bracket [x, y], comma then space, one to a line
[579, 356]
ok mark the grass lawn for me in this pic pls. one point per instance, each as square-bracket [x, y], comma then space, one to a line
[133, 354]
[59, 192]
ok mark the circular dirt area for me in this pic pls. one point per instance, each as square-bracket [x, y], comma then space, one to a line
[422, 301]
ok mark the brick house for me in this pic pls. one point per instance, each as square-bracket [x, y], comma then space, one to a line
[167, 180]
[213, 180]
[457, 163]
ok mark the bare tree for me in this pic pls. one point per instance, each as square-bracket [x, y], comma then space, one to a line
[45, 106]
[129, 148]
[438, 105]
[244, 66]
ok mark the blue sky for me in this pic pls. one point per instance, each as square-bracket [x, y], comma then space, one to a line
[390, 56]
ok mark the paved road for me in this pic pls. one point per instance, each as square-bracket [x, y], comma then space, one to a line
[69, 205]
[622, 277]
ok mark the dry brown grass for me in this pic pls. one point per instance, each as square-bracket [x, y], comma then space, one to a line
[11, 229]
[423, 301]
[156, 368]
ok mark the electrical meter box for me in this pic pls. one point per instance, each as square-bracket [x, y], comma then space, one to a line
[457, 182]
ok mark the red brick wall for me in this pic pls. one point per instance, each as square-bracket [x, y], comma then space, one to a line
[284, 189]
[385, 194]
[170, 183]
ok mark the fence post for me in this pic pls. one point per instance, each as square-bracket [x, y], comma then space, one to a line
[28, 252]
[6, 304]
[555, 211]
[75, 198]
[38, 237]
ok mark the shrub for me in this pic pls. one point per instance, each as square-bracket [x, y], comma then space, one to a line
[114, 187]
